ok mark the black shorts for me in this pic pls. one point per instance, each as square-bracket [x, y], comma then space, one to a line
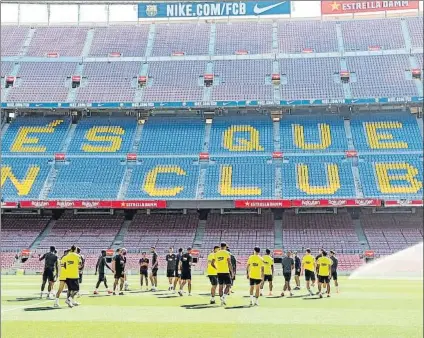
[154, 272]
[255, 281]
[213, 280]
[323, 279]
[170, 273]
[224, 278]
[186, 275]
[80, 278]
[177, 274]
[48, 275]
[309, 275]
[144, 273]
[102, 277]
[73, 284]
[297, 272]
[119, 274]
[287, 276]
[334, 275]
[268, 278]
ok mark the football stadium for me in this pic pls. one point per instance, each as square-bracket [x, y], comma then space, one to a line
[211, 168]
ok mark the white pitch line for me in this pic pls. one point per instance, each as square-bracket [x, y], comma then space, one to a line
[26, 306]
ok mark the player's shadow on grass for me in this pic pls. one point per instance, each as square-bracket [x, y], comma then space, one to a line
[40, 308]
[311, 298]
[199, 306]
[298, 296]
[98, 296]
[165, 297]
[24, 299]
[237, 307]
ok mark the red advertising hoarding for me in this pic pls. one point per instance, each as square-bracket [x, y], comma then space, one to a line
[403, 203]
[240, 204]
[93, 204]
[9, 205]
[346, 7]
[336, 203]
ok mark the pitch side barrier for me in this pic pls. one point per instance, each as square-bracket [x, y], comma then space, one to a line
[233, 204]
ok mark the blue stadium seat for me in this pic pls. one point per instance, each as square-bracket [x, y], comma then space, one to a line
[88, 178]
[101, 135]
[317, 177]
[24, 177]
[164, 178]
[249, 177]
[241, 135]
[392, 176]
[391, 132]
[35, 135]
[313, 134]
[167, 136]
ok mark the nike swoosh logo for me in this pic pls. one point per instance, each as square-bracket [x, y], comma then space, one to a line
[258, 10]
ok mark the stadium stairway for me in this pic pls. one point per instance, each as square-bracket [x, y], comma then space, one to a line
[27, 41]
[4, 128]
[200, 233]
[339, 38]
[278, 233]
[43, 234]
[48, 184]
[406, 35]
[137, 137]
[420, 125]
[361, 234]
[88, 43]
[116, 243]
[69, 137]
[150, 40]
[212, 39]
[13, 72]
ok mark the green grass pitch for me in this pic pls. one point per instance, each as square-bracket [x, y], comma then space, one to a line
[362, 309]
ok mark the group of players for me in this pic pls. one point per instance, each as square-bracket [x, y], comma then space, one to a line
[221, 271]
[260, 269]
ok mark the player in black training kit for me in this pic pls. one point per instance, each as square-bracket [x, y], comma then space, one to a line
[171, 263]
[185, 267]
[154, 273]
[297, 270]
[118, 265]
[144, 270]
[334, 269]
[51, 270]
[177, 266]
[100, 266]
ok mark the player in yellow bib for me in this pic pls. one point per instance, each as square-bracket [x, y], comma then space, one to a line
[268, 271]
[255, 274]
[62, 279]
[224, 270]
[212, 273]
[308, 267]
[324, 272]
[73, 261]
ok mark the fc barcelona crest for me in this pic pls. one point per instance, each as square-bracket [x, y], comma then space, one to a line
[151, 10]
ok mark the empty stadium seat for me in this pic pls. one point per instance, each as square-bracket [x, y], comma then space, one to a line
[309, 134]
[102, 135]
[392, 176]
[242, 135]
[88, 178]
[35, 135]
[317, 177]
[176, 136]
[241, 177]
[164, 178]
[397, 131]
[24, 177]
